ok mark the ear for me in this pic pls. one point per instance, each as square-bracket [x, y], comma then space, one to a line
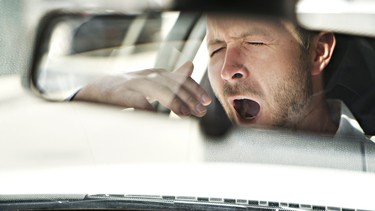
[321, 51]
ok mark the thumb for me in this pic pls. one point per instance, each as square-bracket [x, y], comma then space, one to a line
[185, 69]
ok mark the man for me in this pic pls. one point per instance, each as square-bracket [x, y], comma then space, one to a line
[283, 75]
[264, 72]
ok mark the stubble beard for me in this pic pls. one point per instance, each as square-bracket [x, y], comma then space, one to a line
[291, 99]
[294, 96]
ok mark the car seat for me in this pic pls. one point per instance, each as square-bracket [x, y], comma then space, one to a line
[350, 77]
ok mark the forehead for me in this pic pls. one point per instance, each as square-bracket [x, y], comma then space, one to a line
[223, 27]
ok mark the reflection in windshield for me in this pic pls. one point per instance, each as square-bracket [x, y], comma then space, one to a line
[269, 77]
[83, 48]
[263, 73]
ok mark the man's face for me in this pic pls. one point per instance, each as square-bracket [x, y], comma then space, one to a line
[259, 71]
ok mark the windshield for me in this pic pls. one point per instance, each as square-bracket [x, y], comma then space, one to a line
[268, 73]
[191, 109]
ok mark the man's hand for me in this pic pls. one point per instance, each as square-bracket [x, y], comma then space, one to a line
[174, 90]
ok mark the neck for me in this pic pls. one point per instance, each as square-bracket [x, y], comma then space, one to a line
[318, 118]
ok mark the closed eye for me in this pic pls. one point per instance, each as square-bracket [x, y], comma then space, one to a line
[216, 51]
[255, 43]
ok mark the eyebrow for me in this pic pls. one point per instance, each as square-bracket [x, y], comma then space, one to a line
[256, 31]
[214, 42]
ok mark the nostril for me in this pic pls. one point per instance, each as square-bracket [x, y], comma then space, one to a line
[237, 75]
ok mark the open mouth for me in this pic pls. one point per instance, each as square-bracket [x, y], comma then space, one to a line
[247, 109]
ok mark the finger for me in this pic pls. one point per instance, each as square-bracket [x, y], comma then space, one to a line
[195, 107]
[186, 69]
[190, 85]
[179, 107]
[155, 88]
[173, 82]
[188, 91]
[169, 89]
[199, 93]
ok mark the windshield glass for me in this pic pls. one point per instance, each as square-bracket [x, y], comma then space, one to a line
[268, 73]
[158, 104]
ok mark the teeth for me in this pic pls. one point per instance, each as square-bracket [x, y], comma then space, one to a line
[249, 118]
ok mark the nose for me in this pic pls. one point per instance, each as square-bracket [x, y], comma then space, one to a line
[233, 67]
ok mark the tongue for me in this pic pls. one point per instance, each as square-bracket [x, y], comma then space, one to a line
[247, 109]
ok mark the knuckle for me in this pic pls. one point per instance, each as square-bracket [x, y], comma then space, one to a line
[190, 100]
[195, 86]
[176, 105]
[176, 87]
[175, 102]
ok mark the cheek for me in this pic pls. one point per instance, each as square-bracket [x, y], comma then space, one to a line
[265, 67]
[214, 75]
[214, 81]
[269, 69]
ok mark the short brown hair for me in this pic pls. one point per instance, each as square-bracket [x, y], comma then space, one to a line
[305, 36]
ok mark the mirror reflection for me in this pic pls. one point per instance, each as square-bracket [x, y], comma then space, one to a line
[82, 48]
[268, 73]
